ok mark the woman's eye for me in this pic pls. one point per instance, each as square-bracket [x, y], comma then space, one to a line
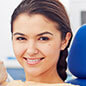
[21, 38]
[44, 38]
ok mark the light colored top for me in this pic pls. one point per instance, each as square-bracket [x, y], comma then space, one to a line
[28, 83]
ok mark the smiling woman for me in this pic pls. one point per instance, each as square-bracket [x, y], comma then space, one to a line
[41, 35]
[37, 46]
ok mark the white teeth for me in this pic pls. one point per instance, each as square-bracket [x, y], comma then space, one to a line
[35, 60]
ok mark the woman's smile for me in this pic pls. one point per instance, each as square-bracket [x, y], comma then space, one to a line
[33, 61]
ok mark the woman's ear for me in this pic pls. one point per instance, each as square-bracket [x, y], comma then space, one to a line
[65, 41]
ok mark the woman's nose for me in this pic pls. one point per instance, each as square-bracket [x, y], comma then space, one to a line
[32, 48]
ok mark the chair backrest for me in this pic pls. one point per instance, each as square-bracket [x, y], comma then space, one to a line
[77, 57]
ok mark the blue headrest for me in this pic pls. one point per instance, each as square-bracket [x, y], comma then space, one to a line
[77, 54]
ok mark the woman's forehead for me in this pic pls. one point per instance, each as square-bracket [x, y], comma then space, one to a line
[35, 22]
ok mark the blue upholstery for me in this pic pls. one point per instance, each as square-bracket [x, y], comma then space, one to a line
[77, 57]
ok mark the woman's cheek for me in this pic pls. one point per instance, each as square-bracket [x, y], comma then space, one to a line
[18, 50]
[51, 49]
[45, 48]
[49, 46]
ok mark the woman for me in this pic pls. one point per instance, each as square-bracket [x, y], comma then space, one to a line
[41, 35]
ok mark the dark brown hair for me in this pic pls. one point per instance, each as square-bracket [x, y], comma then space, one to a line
[55, 11]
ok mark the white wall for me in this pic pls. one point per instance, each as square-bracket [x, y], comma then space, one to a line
[6, 9]
[76, 6]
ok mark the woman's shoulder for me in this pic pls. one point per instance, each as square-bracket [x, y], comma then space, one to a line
[28, 83]
[16, 83]
[44, 84]
[66, 84]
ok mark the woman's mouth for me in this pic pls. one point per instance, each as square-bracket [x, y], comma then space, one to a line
[33, 61]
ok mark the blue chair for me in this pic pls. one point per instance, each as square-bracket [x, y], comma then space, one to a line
[77, 57]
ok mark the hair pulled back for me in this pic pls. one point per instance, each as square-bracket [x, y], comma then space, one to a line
[55, 11]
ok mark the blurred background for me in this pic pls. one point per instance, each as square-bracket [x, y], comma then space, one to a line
[77, 13]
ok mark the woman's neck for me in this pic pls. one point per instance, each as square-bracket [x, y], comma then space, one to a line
[50, 76]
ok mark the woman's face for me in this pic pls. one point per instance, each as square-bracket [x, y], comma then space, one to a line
[36, 43]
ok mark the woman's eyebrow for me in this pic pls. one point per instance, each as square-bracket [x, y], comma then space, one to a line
[44, 33]
[18, 34]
